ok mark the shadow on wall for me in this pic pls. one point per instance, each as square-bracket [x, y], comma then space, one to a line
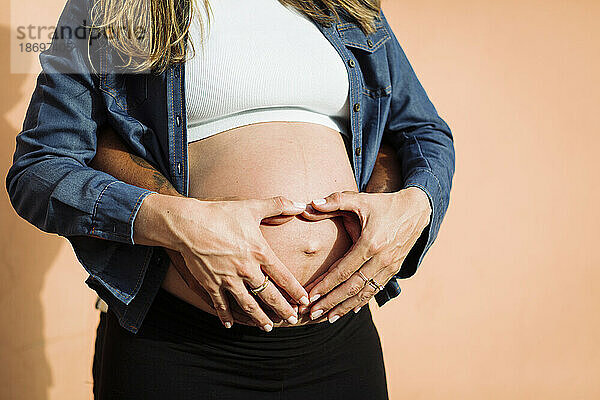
[26, 255]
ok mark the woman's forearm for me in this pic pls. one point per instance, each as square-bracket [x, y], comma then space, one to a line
[114, 157]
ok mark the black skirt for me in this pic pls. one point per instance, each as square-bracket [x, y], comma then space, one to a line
[182, 352]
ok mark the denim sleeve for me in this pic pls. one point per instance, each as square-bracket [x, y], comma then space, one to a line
[424, 144]
[50, 183]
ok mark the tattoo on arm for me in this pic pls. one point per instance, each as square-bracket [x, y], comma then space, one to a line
[161, 183]
[141, 162]
[386, 176]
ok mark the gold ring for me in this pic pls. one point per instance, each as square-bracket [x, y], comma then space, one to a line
[364, 278]
[375, 285]
[262, 286]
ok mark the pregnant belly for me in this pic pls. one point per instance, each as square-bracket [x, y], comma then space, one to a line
[300, 161]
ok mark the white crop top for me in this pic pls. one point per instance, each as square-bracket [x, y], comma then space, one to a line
[262, 61]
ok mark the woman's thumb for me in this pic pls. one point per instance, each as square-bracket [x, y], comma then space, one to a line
[279, 205]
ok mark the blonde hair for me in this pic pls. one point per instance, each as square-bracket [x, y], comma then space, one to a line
[151, 34]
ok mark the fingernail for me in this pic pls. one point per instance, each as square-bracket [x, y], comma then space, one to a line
[299, 205]
[357, 309]
[316, 314]
[310, 209]
[304, 300]
[319, 201]
[315, 298]
[268, 327]
[292, 320]
[228, 325]
[334, 318]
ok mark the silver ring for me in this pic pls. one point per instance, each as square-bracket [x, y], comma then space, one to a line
[364, 278]
[375, 285]
[261, 287]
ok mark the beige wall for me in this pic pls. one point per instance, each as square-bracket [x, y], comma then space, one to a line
[505, 304]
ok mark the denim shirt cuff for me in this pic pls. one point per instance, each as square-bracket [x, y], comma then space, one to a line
[424, 179]
[115, 210]
[390, 290]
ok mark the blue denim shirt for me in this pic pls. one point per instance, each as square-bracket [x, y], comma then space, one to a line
[51, 185]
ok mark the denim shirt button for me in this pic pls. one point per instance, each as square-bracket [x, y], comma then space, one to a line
[357, 151]
[357, 107]
[351, 63]
[179, 168]
[178, 120]
[369, 43]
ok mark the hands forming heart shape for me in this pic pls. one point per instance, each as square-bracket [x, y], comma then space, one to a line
[384, 223]
[383, 228]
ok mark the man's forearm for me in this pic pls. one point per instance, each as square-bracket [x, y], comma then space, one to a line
[386, 176]
[113, 157]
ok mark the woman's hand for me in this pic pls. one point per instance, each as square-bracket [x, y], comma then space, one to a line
[224, 250]
[389, 224]
[238, 315]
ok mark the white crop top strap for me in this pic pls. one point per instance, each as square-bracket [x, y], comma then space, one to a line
[262, 61]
